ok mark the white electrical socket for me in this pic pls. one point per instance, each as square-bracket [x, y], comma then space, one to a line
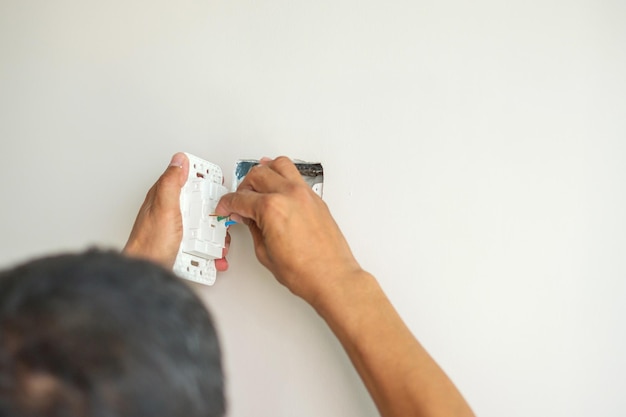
[204, 234]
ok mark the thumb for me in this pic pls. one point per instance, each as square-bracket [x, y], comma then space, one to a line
[178, 168]
[167, 188]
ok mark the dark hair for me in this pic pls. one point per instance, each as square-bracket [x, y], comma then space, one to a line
[99, 334]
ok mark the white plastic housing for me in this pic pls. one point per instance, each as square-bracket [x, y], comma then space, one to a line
[204, 236]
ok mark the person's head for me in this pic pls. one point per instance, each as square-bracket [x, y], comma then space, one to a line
[99, 334]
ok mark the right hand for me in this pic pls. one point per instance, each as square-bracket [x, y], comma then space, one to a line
[294, 234]
[297, 239]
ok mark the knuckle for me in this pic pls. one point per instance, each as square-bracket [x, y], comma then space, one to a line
[282, 162]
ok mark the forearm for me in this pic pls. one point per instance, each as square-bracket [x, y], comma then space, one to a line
[280, 208]
[400, 375]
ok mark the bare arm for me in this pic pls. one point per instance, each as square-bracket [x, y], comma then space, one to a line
[279, 209]
[400, 375]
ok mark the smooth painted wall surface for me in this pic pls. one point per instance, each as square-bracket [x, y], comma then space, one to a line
[475, 159]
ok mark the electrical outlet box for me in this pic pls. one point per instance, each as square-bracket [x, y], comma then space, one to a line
[312, 173]
[204, 233]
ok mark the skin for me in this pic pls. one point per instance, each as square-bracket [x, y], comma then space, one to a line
[278, 206]
[158, 229]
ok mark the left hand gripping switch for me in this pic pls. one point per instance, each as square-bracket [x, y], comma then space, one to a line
[204, 234]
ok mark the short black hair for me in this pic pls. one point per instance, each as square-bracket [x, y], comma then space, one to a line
[99, 334]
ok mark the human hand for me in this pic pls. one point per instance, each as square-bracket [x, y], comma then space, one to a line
[294, 234]
[296, 238]
[158, 229]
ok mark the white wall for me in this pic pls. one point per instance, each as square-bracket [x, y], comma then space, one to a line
[474, 152]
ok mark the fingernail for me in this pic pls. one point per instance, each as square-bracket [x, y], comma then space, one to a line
[177, 160]
[265, 160]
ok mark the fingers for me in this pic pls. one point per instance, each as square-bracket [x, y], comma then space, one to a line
[262, 193]
[222, 264]
[226, 246]
[241, 203]
[264, 179]
[285, 167]
[271, 175]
